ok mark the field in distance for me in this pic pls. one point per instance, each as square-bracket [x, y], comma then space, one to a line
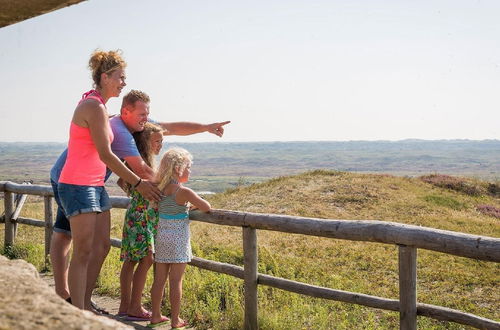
[219, 166]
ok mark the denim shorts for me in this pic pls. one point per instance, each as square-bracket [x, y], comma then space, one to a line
[62, 223]
[76, 199]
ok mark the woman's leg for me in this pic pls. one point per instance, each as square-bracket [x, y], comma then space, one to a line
[160, 279]
[175, 282]
[100, 248]
[126, 275]
[82, 228]
[139, 280]
[60, 245]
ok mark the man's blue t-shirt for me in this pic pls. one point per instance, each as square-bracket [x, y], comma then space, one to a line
[123, 145]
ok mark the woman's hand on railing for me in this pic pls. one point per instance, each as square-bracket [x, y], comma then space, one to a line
[149, 191]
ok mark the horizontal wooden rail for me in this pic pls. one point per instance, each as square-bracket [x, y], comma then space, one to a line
[26, 221]
[17, 188]
[31, 222]
[219, 267]
[460, 244]
[115, 242]
[432, 311]
[331, 294]
[452, 315]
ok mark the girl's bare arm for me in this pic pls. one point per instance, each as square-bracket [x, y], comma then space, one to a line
[190, 196]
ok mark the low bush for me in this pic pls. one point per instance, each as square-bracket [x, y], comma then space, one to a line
[494, 189]
[489, 210]
[454, 183]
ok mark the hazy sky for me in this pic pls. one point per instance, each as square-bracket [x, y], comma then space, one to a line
[280, 70]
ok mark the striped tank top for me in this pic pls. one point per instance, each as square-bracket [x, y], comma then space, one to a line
[168, 208]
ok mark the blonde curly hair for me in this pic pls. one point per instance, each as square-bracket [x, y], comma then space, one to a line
[105, 62]
[173, 163]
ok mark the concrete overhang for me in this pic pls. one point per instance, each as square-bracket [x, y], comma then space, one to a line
[14, 11]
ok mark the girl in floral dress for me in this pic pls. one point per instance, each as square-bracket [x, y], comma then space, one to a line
[139, 228]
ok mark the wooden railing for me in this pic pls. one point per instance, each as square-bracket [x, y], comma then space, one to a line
[408, 238]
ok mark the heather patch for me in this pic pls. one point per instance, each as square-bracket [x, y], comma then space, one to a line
[489, 210]
[454, 183]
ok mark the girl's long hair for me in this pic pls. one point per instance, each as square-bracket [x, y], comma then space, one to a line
[143, 142]
[173, 163]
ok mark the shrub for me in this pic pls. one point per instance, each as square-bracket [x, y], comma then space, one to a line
[489, 210]
[454, 183]
[494, 189]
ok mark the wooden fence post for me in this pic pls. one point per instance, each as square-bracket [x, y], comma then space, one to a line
[10, 229]
[250, 277]
[19, 200]
[407, 287]
[48, 202]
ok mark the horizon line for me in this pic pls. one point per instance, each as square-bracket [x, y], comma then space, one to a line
[290, 141]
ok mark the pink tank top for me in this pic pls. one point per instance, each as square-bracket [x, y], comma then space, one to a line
[83, 165]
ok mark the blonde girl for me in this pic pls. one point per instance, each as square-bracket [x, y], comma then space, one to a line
[138, 232]
[172, 241]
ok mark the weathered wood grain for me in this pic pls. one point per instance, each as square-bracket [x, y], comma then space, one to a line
[456, 243]
[49, 220]
[407, 287]
[250, 259]
[10, 230]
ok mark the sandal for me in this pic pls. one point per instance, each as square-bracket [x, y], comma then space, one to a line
[164, 320]
[145, 316]
[180, 326]
[99, 310]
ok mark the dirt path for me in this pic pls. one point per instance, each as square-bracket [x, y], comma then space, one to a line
[111, 305]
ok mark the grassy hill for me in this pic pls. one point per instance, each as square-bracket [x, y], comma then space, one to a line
[369, 268]
[437, 201]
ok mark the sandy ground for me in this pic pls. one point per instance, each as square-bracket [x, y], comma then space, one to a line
[111, 305]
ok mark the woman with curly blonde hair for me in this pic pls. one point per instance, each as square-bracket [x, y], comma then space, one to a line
[81, 183]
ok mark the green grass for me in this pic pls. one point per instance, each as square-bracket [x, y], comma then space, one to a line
[444, 201]
[215, 301]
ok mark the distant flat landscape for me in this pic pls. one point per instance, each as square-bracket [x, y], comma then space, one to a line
[222, 165]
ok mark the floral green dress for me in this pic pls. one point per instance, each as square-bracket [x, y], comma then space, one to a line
[139, 228]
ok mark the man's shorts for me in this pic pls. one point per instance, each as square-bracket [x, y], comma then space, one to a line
[62, 223]
[78, 199]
